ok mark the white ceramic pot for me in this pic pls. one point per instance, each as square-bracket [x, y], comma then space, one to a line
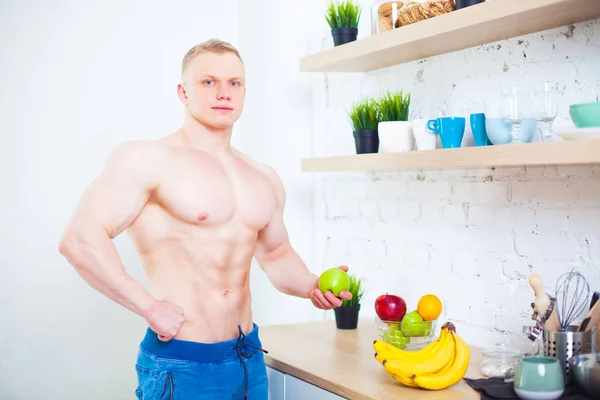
[395, 136]
[425, 138]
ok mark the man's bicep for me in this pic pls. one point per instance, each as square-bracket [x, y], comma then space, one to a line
[272, 240]
[111, 205]
[116, 197]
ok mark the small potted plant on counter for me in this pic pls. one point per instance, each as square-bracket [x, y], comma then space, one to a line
[343, 18]
[364, 117]
[346, 316]
[395, 131]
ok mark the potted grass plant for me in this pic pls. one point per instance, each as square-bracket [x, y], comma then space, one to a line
[343, 18]
[364, 118]
[395, 131]
[346, 316]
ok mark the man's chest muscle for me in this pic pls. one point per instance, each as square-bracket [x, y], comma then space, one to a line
[204, 191]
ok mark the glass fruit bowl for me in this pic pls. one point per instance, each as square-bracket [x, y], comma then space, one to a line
[407, 335]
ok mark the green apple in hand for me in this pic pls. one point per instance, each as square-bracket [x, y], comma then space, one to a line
[335, 280]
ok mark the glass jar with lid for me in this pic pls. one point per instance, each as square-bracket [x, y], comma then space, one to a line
[499, 359]
[384, 15]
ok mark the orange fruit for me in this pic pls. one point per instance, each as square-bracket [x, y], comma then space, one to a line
[429, 307]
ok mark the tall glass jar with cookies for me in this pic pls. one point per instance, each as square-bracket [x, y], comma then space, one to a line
[384, 16]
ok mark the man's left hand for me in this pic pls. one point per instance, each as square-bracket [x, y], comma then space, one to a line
[328, 300]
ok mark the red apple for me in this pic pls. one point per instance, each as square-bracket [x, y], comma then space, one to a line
[390, 307]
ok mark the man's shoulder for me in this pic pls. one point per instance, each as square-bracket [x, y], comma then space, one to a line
[136, 151]
[269, 172]
[139, 159]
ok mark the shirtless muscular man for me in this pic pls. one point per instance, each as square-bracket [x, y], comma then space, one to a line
[197, 211]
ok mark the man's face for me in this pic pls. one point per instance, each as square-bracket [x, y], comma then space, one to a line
[214, 89]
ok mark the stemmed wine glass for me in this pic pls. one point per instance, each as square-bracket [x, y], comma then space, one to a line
[516, 107]
[546, 100]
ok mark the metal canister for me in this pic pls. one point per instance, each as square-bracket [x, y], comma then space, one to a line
[564, 345]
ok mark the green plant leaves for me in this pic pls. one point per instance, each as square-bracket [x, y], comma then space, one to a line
[357, 289]
[393, 106]
[366, 114]
[343, 14]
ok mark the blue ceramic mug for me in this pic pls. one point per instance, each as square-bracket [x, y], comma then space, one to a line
[480, 136]
[450, 129]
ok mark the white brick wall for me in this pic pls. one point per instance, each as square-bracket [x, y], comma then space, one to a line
[470, 236]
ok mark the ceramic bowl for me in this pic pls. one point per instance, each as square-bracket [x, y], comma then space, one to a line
[586, 115]
[539, 378]
[499, 130]
[585, 370]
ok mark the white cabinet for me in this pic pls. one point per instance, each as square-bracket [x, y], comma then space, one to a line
[296, 389]
[276, 384]
[286, 387]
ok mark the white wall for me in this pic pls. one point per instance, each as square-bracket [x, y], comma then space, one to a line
[76, 78]
[276, 130]
[470, 236]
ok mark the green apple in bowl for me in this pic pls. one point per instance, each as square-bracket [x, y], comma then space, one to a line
[427, 327]
[414, 325]
[395, 337]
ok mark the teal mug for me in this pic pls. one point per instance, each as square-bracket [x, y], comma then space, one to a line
[450, 129]
[480, 136]
[539, 377]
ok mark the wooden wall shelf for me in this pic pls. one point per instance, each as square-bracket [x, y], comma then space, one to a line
[576, 152]
[471, 26]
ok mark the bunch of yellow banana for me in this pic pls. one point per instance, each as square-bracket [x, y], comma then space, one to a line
[441, 364]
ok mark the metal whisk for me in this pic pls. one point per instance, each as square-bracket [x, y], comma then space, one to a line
[572, 297]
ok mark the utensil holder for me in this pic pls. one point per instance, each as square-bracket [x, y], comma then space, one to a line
[564, 345]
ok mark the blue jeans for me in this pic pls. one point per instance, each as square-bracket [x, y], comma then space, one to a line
[185, 370]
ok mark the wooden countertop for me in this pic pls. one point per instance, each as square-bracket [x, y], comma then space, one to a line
[342, 361]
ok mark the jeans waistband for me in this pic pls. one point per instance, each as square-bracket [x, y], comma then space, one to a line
[196, 351]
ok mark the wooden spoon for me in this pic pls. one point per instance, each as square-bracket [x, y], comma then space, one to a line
[591, 319]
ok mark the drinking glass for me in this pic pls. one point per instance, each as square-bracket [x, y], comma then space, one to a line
[546, 104]
[516, 107]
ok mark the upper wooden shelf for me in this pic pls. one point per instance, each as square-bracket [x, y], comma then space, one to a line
[576, 152]
[471, 26]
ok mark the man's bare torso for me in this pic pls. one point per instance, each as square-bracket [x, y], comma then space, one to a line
[196, 236]
[197, 211]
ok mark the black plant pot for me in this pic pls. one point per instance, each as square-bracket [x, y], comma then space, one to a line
[467, 3]
[366, 141]
[346, 317]
[343, 35]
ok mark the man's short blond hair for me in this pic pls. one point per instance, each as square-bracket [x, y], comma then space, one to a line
[209, 46]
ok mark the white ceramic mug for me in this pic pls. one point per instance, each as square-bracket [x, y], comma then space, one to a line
[426, 139]
[395, 136]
